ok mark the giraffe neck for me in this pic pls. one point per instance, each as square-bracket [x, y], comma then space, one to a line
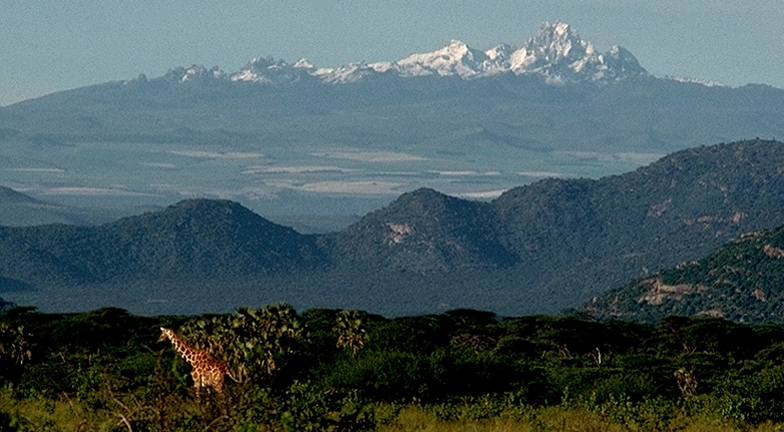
[186, 351]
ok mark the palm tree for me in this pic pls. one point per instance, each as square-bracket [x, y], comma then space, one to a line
[350, 327]
[687, 382]
[14, 344]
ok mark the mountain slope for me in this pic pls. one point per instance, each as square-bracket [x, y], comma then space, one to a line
[209, 238]
[459, 120]
[18, 209]
[559, 242]
[423, 231]
[193, 239]
[740, 281]
[605, 232]
[537, 248]
[701, 193]
[10, 196]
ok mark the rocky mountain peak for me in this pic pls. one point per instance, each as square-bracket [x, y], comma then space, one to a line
[456, 58]
[561, 55]
[267, 70]
[557, 41]
[556, 52]
[194, 73]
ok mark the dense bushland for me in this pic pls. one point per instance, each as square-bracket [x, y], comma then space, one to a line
[348, 370]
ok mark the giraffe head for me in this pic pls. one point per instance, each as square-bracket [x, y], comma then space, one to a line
[165, 334]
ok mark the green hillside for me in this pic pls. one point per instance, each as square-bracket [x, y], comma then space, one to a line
[741, 281]
[558, 242]
[193, 239]
[543, 247]
[424, 231]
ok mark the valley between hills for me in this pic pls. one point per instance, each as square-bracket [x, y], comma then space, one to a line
[541, 248]
[543, 237]
[518, 180]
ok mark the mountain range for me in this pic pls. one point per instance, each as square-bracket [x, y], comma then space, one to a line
[296, 142]
[537, 248]
[557, 53]
[518, 179]
[18, 209]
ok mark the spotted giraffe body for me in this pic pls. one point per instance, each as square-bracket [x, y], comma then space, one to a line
[207, 370]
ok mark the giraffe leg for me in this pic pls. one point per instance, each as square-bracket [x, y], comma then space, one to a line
[198, 383]
[217, 382]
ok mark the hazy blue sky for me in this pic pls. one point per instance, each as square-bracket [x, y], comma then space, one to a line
[50, 45]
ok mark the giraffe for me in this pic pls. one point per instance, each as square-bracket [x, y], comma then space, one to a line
[207, 370]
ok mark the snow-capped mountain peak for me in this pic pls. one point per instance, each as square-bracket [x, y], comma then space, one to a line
[556, 42]
[456, 48]
[500, 53]
[267, 70]
[193, 73]
[303, 63]
[556, 53]
[456, 58]
[349, 73]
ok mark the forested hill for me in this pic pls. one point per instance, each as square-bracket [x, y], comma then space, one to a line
[538, 248]
[741, 281]
[426, 231]
[562, 241]
[685, 201]
[195, 238]
[677, 208]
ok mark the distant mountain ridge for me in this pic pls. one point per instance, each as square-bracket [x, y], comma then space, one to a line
[290, 137]
[19, 209]
[8, 195]
[192, 239]
[538, 248]
[556, 52]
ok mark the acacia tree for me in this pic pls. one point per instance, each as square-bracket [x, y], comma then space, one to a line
[254, 342]
[267, 336]
[351, 331]
[214, 335]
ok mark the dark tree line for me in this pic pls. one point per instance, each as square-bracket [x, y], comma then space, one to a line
[349, 370]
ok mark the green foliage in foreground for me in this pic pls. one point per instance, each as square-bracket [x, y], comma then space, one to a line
[328, 370]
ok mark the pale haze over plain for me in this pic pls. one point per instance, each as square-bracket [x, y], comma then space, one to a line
[52, 45]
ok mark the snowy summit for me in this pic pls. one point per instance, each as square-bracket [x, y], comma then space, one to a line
[556, 52]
